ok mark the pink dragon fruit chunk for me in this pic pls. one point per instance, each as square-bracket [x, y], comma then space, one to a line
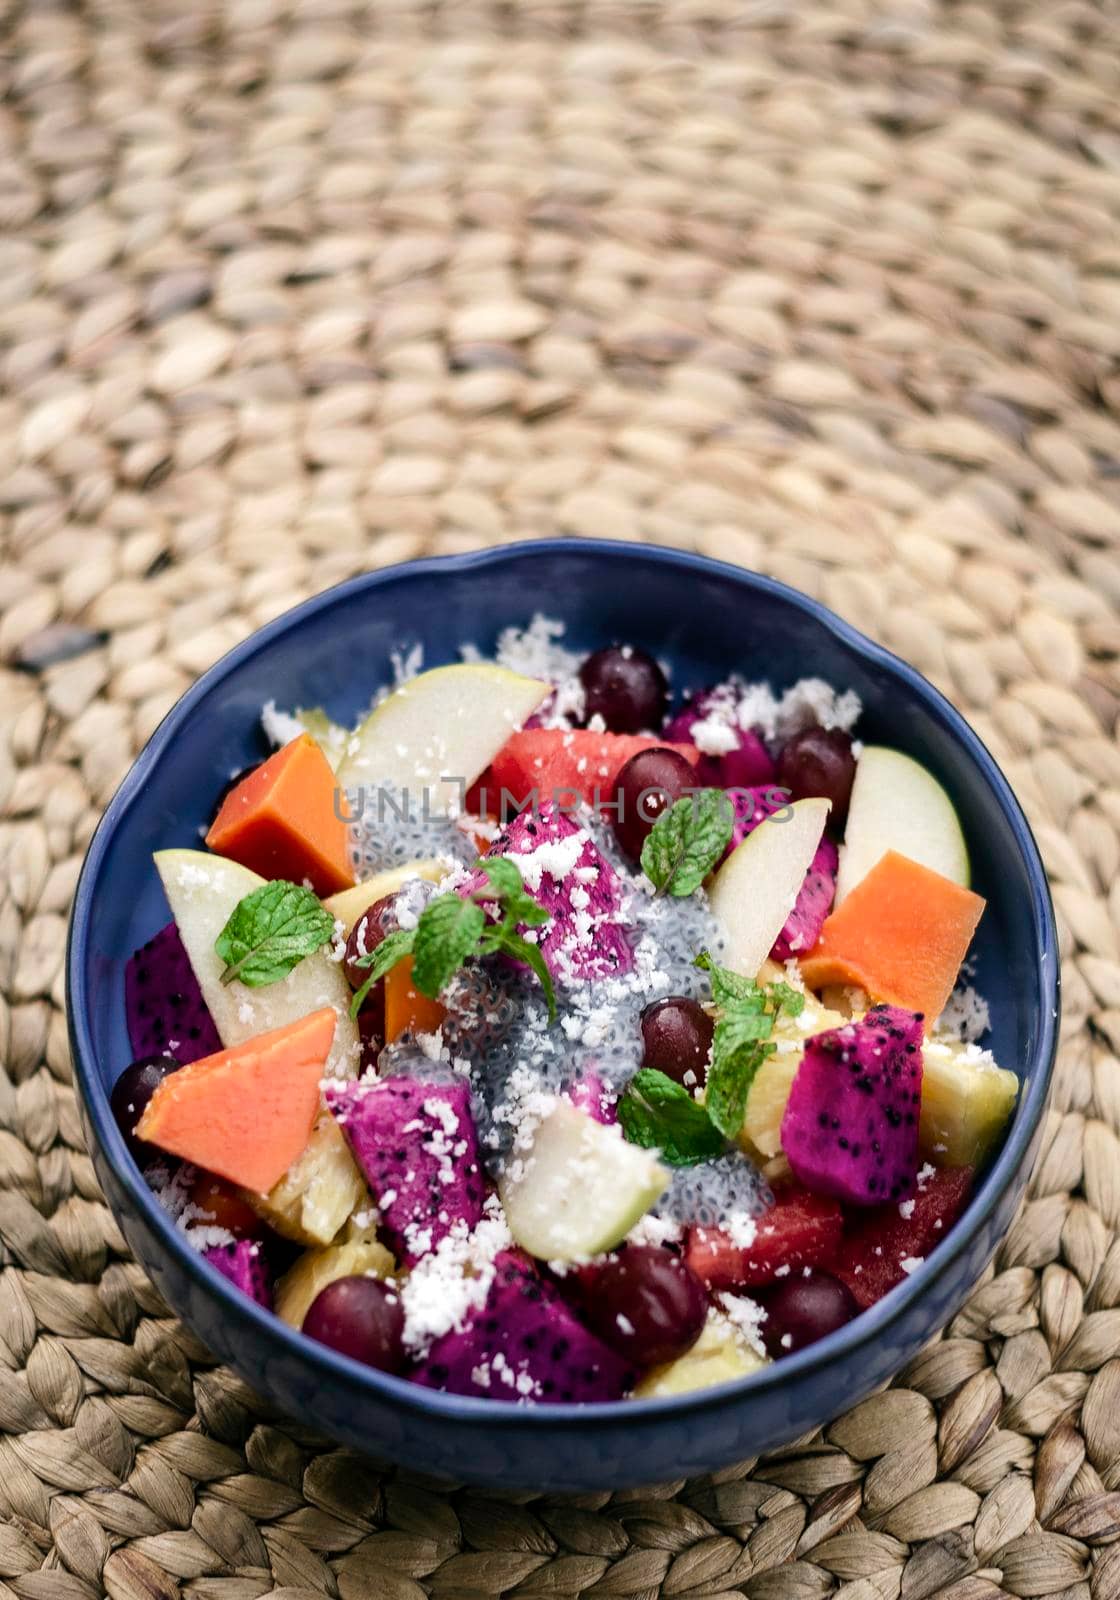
[752, 804]
[814, 900]
[591, 1095]
[568, 874]
[743, 763]
[850, 1126]
[243, 1263]
[163, 1003]
[802, 927]
[524, 1343]
[417, 1146]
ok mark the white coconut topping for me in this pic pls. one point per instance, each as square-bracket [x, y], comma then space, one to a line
[537, 652]
[453, 1280]
[746, 1316]
[280, 727]
[966, 1015]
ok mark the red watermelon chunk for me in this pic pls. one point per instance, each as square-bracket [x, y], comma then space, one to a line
[883, 1246]
[800, 1230]
[582, 763]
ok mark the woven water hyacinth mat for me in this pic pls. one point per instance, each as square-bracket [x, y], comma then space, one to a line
[290, 290]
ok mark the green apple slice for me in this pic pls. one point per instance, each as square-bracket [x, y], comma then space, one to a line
[202, 891]
[897, 805]
[348, 904]
[579, 1188]
[754, 891]
[447, 723]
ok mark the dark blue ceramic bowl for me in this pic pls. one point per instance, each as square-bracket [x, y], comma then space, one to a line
[708, 619]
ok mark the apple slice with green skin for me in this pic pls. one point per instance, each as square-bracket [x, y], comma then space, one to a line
[202, 891]
[754, 890]
[579, 1188]
[348, 904]
[897, 805]
[447, 723]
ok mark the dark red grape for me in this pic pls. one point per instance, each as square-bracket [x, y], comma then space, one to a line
[371, 928]
[802, 1310]
[362, 1318]
[367, 933]
[646, 1304]
[819, 761]
[129, 1100]
[371, 1029]
[647, 785]
[223, 1207]
[677, 1035]
[626, 688]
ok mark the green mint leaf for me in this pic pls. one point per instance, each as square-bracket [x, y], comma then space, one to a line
[741, 1026]
[685, 843]
[393, 948]
[511, 943]
[506, 886]
[270, 931]
[660, 1115]
[730, 988]
[735, 1061]
[449, 930]
[787, 998]
[523, 908]
[747, 1013]
[502, 876]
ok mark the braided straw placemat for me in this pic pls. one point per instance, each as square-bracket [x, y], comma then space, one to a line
[292, 290]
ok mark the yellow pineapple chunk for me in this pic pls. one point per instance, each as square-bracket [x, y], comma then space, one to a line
[720, 1355]
[359, 1256]
[317, 1193]
[966, 1099]
[772, 971]
[761, 1134]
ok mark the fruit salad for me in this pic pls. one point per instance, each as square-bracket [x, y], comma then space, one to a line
[552, 1036]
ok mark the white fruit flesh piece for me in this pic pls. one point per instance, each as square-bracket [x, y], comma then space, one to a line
[202, 890]
[318, 1192]
[754, 891]
[966, 1100]
[720, 1355]
[579, 1187]
[897, 805]
[447, 723]
[348, 904]
[306, 1279]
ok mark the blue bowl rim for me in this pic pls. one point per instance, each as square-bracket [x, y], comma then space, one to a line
[872, 1324]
